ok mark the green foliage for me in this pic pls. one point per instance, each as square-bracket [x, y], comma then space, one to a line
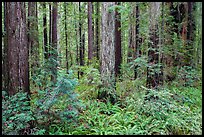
[166, 111]
[43, 74]
[17, 115]
[89, 83]
[173, 110]
[141, 63]
[50, 105]
[127, 72]
[189, 76]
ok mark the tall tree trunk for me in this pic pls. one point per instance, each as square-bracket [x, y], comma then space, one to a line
[77, 44]
[45, 31]
[17, 47]
[50, 28]
[33, 37]
[190, 34]
[54, 43]
[66, 42]
[118, 55]
[90, 33]
[81, 49]
[5, 74]
[153, 55]
[108, 51]
[137, 39]
[97, 31]
[131, 43]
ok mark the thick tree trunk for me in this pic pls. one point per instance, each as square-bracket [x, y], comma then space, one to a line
[90, 33]
[17, 47]
[45, 31]
[5, 79]
[54, 42]
[108, 51]
[118, 55]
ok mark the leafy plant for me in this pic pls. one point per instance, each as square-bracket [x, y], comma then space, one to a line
[17, 117]
[188, 76]
[89, 83]
[51, 107]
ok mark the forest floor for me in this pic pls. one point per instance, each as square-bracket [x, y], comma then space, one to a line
[173, 110]
[72, 107]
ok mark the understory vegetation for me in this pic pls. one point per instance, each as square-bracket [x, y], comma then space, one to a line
[72, 108]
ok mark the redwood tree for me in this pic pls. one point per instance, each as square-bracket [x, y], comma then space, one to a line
[108, 52]
[54, 43]
[17, 47]
[5, 54]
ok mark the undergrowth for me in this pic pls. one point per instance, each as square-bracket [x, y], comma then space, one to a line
[171, 111]
[71, 107]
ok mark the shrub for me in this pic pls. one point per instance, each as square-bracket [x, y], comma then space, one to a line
[173, 110]
[17, 116]
[189, 76]
[89, 83]
[59, 104]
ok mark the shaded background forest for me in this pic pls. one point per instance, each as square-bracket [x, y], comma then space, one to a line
[72, 59]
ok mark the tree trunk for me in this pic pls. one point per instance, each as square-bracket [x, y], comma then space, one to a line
[97, 31]
[137, 39]
[107, 51]
[33, 37]
[81, 49]
[118, 55]
[90, 33]
[5, 74]
[153, 55]
[17, 47]
[66, 42]
[50, 28]
[45, 31]
[131, 43]
[54, 43]
[190, 34]
[77, 45]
